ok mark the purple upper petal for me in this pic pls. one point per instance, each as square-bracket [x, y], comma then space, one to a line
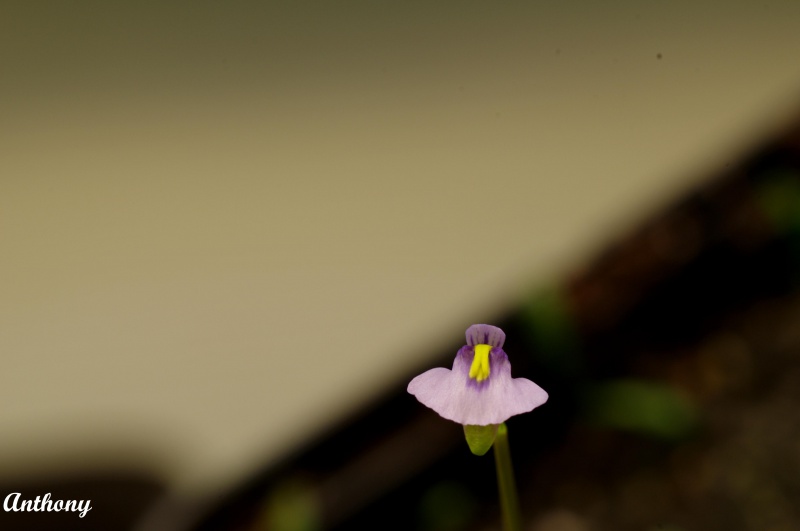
[483, 334]
[454, 396]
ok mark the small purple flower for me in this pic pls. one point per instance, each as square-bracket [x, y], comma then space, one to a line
[479, 390]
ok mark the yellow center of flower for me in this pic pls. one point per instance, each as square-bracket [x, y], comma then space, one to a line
[480, 363]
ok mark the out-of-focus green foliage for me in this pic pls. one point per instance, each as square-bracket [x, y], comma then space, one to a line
[546, 315]
[779, 198]
[447, 506]
[644, 407]
[291, 506]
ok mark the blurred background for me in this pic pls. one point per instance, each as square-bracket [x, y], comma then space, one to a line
[230, 233]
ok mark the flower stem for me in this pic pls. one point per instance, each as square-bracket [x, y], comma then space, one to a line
[509, 502]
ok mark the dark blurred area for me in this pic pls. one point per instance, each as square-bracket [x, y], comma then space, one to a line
[674, 378]
[117, 500]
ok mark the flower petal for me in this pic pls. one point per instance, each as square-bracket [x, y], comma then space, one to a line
[454, 396]
[483, 334]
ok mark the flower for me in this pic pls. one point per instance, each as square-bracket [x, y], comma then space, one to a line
[479, 390]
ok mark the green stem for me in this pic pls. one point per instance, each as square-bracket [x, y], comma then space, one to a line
[509, 502]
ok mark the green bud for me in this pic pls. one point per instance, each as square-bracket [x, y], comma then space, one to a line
[480, 438]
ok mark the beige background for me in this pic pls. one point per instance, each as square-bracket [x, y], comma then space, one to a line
[223, 225]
